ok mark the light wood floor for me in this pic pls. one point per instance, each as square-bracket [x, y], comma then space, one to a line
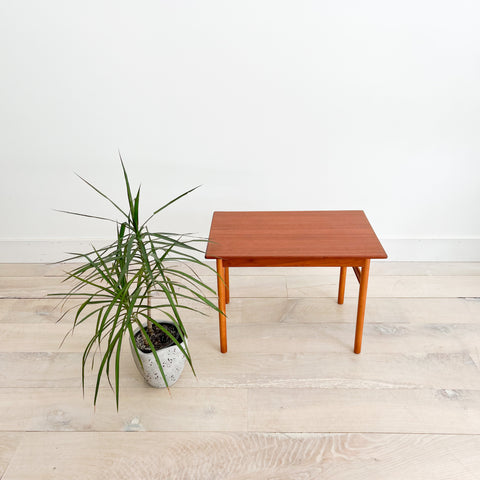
[289, 401]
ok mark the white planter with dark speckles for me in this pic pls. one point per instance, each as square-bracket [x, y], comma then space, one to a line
[172, 360]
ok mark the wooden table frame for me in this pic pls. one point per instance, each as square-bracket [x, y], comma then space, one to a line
[360, 264]
[361, 272]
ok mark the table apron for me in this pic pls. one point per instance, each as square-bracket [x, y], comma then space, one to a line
[296, 262]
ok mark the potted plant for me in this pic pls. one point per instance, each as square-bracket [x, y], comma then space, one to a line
[134, 287]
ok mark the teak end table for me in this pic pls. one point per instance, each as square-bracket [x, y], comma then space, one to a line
[293, 239]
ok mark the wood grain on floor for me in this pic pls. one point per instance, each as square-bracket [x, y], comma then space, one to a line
[221, 456]
[290, 400]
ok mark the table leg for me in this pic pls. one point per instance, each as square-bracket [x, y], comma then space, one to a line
[362, 300]
[341, 286]
[227, 285]
[221, 305]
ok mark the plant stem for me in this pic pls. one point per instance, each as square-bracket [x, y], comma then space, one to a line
[149, 323]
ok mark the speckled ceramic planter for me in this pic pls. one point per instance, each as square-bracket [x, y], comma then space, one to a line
[172, 360]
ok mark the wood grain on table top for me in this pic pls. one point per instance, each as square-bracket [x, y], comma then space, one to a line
[304, 234]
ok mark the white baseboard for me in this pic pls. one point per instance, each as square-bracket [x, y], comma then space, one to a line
[432, 249]
[398, 249]
[44, 251]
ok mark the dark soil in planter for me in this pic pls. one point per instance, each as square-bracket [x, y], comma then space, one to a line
[159, 338]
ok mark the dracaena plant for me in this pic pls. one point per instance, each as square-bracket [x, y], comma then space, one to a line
[115, 284]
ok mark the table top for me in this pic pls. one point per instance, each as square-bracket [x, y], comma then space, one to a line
[293, 235]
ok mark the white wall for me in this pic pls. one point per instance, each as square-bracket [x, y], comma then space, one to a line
[274, 104]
